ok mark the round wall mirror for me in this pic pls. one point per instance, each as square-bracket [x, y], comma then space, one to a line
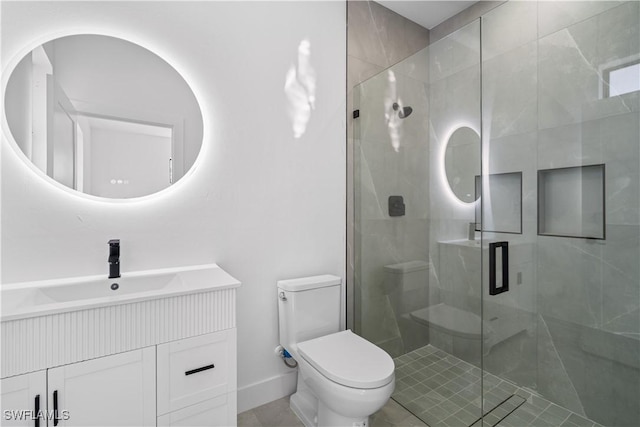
[462, 163]
[103, 116]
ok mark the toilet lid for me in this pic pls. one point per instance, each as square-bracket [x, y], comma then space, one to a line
[348, 359]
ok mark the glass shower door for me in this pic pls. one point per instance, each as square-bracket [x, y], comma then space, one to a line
[417, 253]
[507, 209]
[559, 208]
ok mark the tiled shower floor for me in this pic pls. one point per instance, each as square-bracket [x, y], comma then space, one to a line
[443, 390]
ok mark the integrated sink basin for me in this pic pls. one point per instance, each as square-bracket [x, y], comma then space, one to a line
[30, 299]
[110, 287]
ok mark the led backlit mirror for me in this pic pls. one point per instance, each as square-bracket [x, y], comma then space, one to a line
[462, 163]
[103, 116]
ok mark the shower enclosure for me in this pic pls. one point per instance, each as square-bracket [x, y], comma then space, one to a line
[497, 218]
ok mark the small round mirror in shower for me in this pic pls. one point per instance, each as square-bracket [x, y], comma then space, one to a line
[103, 116]
[462, 163]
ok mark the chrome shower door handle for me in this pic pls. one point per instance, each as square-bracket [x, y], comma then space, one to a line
[493, 289]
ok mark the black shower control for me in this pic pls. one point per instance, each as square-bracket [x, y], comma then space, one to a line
[396, 206]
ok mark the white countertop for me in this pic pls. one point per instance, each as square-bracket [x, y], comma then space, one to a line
[39, 298]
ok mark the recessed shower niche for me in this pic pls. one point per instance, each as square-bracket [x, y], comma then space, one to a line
[571, 202]
[502, 205]
[102, 116]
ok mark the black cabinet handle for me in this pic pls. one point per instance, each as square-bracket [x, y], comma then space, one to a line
[493, 290]
[195, 371]
[55, 408]
[36, 408]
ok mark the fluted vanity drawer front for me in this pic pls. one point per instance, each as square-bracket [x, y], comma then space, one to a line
[195, 369]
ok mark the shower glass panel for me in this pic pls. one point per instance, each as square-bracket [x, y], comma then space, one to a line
[417, 155]
[560, 107]
[497, 218]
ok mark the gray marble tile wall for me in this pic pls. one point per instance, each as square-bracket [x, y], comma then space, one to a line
[378, 39]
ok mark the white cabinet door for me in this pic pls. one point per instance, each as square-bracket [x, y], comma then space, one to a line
[118, 390]
[23, 399]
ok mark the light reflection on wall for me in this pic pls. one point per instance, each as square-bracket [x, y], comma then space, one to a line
[300, 90]
[393, 120]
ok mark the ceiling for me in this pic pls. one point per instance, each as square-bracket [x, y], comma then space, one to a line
[425, 12]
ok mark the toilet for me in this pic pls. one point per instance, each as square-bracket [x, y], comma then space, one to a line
[342, 378]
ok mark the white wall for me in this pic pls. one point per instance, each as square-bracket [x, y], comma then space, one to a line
[263, 205]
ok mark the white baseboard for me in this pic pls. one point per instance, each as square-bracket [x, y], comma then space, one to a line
[256, 394]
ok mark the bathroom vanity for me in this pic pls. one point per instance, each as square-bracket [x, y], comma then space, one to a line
[159, 349]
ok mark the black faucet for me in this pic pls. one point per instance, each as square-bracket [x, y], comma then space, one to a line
[114, 258]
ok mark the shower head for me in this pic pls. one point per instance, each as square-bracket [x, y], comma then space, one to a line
[404, 112]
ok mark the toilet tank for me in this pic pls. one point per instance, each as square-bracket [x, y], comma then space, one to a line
[308, 308]
[406, 276]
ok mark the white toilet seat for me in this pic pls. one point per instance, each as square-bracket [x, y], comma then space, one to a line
[349, 360]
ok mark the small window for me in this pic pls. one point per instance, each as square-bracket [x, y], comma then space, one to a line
[622, 79]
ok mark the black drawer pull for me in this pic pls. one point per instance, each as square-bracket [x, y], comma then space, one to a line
[204, 368]
[56, 420]
[37, 410]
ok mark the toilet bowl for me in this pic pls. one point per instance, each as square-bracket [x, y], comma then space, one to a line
[342, 378]
[350, 376]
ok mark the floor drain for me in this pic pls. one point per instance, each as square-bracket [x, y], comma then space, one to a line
[500, 412]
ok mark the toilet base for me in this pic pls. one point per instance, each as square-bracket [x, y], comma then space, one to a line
[314, 413]
[305, 406]
[326, 417]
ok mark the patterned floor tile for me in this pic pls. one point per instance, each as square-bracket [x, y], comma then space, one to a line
[451, 384]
